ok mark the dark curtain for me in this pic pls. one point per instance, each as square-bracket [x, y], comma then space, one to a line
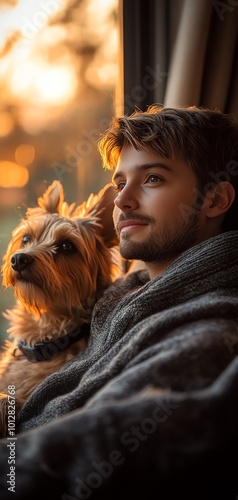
[178, 53]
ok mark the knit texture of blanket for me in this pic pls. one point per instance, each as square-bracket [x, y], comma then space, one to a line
[165, 320]
[155, 394]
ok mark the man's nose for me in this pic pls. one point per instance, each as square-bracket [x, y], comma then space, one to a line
[126, 200]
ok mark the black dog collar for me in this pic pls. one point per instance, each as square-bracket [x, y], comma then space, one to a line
[49, 349]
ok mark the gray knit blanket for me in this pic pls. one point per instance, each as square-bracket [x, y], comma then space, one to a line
[151, 406]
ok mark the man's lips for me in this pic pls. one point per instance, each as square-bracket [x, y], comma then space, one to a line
[128, 225]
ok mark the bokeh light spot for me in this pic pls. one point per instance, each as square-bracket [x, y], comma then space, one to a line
[25, 154]
[13, 175]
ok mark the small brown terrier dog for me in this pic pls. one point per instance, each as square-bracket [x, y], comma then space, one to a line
[59, 260]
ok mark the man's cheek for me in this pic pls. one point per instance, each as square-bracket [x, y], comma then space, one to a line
[116, 212]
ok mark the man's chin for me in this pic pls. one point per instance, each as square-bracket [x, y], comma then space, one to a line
[131, 250]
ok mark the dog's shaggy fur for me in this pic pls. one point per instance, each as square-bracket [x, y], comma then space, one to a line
[59, 260]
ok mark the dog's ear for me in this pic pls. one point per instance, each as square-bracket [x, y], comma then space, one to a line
[53, 198]
[52, 201]
[101, 206]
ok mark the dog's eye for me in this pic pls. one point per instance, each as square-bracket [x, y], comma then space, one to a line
[66, 247]
[26, 239]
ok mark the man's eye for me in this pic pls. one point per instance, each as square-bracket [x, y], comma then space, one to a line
[119, 187]
[154, 178]
[26, 239]
[66, 247]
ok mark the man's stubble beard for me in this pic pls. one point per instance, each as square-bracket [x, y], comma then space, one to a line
[164, 247]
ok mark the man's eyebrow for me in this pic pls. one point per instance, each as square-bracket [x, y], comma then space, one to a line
[144, 166]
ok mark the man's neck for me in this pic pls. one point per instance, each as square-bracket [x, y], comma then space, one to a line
[157, 268]
[154, 268]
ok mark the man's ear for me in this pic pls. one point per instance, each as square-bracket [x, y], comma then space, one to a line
[220, 199]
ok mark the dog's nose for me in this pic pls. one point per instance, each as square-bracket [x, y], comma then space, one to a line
[20, 261]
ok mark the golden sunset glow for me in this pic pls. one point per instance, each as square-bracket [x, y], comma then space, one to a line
[44, 84]
[54, 55]
[6, 123]
[31, 77]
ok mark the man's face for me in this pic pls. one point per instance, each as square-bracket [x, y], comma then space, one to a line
[155, 216]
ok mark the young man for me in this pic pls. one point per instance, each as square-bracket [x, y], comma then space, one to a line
[175, 179]
[155, 393]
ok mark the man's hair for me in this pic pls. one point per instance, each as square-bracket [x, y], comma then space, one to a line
[207, 140]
